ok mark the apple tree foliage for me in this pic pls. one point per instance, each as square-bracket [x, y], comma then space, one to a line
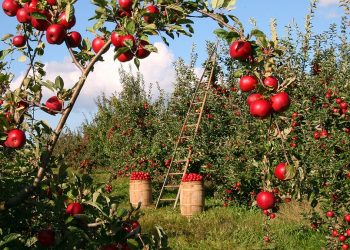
[236, 152]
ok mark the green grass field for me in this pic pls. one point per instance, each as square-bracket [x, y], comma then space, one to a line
[221, 227]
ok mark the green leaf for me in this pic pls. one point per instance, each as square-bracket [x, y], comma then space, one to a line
[4, 53]
[8, 238]
[175, 7]
[236, 20]
[7, 36]
[137, 62]
[59, 84]
[39, 16]
[130, 27]
[290, 172]
[133, 244]
[121, 212]
[95, 196]
[260, 36]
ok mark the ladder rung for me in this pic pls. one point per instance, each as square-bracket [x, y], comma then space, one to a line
[191, 125]
[175, 173]
[172, 186]
[182, 160]
[195, 103]
[167, 199]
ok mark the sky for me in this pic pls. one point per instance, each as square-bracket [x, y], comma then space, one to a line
[158, 67]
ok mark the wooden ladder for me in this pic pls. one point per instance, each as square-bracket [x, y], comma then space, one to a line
[181, 157]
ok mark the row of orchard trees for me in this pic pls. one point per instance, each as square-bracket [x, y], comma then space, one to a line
[236, 152]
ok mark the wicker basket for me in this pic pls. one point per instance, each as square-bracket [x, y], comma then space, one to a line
[191, 197]
[140, 191]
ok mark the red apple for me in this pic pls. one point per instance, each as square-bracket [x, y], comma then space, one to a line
[129, 38]
[116, 39]
[343, 105]
[265, 200]
[240, 50]
[253, 97]
[74, 208]
[97, 44]
[16, 139]
[125, 57]
[41, 24]
[62, 19]
[74, 39]
[19, 41]
[151, 13]
[280, 171]
[55, 34]
[330, 214]
[280, 102]
[10, 7]
[125, 4]
[342, 238]
[23, 16]
[51, 2]
[260, 108]
[248, 83]
[347, 217]
[124, 13]
[324, 133]
[46, 237]
[271, 82]
[141, 52]
[31, 6]
[53, 103]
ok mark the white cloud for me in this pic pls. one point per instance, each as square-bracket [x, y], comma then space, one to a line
[158, 67]
[328, 2]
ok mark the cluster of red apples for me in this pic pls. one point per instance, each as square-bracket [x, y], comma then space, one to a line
[140, 176]
[192, 177]
[130, 45]
[342, 236]
[15, 137]
[43, 16]
[260, 106]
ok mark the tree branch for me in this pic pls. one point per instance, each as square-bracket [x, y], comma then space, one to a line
[24, 194]
[213, 16]
[75, 61]
[31, 58]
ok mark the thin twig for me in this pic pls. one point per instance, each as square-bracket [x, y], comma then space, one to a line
[283, 147]
[213, 16]
[75, 61]
[31, 58]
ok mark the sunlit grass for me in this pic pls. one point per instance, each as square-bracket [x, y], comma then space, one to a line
[224, 227]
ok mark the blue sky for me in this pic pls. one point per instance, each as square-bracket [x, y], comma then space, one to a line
[158, 69]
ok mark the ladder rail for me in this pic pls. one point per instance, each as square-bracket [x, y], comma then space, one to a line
[183, 128]
[197, 125]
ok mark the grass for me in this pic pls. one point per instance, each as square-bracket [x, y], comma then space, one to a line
[224, 227]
